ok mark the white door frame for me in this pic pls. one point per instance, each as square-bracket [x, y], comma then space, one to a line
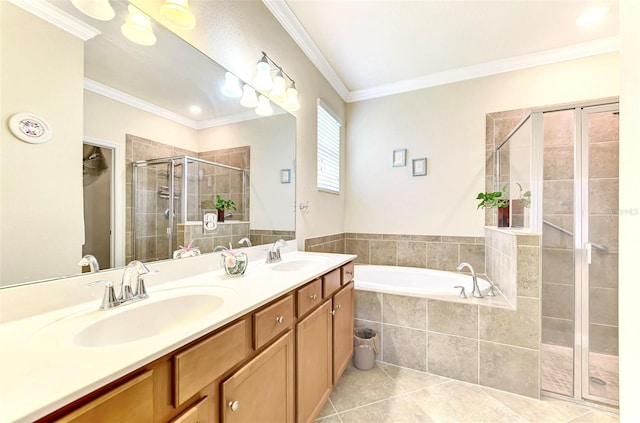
[117, 241]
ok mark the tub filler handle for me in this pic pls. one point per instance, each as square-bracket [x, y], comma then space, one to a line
[462, 293]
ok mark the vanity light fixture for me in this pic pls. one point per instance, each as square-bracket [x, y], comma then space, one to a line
[264, 106]
[137, 28]
[178, 14]
[287, 97]
[231, 87]
[592, 16]
[249, 97]
[263, 81]
[96, 9]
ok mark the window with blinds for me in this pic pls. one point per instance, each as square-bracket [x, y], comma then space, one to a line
[328, 150]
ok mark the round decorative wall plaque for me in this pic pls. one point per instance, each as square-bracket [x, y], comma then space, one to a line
[30, 128]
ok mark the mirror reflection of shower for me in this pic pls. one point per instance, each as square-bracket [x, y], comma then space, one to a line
[169, 196]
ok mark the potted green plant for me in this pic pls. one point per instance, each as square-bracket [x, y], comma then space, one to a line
[221, 205]
[496, 200]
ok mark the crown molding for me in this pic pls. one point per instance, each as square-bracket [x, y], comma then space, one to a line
[57, 17]
[132, 101]
[292, 25]
[561, 54]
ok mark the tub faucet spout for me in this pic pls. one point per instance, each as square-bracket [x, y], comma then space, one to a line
[476, 290]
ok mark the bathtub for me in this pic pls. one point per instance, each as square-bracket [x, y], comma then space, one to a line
[413, 281]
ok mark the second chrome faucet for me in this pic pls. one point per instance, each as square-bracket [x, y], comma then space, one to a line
[476, 290]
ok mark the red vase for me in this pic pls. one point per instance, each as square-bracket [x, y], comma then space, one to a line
[503, 217]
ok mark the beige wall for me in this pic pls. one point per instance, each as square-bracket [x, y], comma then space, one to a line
[271, 202]
[446, 124]
[629, 288]
[27, 199]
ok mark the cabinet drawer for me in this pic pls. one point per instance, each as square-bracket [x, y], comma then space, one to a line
[130, 402]
[271, 321]
[203, 363]
[309, 296]
[347, 273]
[330, 283]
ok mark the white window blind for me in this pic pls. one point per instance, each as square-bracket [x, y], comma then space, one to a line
[328, 150]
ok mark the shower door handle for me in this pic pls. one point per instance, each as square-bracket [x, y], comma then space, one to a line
[589, 248]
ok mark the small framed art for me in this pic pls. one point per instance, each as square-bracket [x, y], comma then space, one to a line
[285, 176]
[400, 157]
[419, 166]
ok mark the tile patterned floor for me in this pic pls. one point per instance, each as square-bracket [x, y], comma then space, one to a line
[393, 394]
[557, 372]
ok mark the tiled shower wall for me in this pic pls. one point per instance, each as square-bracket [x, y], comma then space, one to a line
[152, 243]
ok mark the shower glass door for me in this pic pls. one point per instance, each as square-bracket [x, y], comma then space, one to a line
[600, 253]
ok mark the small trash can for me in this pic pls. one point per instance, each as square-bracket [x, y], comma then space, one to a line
[365, 342]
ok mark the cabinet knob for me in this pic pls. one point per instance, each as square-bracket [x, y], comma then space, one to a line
[348, 272]
[234, 405]
[333, 312]
[338, 307]
[313, 297]
[280, 319]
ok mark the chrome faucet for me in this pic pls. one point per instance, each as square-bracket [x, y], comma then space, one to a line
[135, 271]
[245, 241]
[476, 290]
[273, 255]
[91, 261]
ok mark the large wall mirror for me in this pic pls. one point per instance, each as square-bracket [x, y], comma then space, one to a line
[143, 141]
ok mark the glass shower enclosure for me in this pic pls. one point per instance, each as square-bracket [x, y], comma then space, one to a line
[168, 198]
[567, 158]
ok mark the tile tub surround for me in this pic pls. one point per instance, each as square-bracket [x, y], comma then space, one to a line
[389, 393]
[489, 346]
[438, 252]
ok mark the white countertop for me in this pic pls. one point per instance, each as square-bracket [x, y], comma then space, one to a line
[41, 369]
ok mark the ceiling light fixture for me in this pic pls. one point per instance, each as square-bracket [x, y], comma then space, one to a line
[137, 28]
[277, 87]
[593, 16]
[196, 110]
[97, 9]
[231, 87]
[178, 13]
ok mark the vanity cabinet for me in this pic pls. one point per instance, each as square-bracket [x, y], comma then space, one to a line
[277, 363]
[262, 390]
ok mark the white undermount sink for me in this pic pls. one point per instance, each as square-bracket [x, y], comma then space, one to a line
[162, 312]
[147, 319]
[297, 263]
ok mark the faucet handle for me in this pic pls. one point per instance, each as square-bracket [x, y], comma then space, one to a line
[462, 293]
[141, 291]
[109, 299]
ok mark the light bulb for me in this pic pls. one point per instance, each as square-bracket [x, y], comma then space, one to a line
[263, 80]
[137, 28]
[264, 106]
[278, 92]
[249, 98]
[292, 104]
[231, 87]
[97, 9]
[178, 13]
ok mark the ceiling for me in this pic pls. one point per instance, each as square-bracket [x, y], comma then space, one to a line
[371, 48]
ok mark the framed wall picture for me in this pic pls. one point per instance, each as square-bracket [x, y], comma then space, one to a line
[419, 166]
[400, 157]
[285, 176]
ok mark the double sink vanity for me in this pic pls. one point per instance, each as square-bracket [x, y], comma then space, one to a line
[204, 347]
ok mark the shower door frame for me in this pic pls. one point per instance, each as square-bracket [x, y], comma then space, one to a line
[582, 246]
[580, 228]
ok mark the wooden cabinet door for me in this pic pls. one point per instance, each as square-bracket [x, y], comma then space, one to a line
[342, 330]
[262, 390]
[197, 413]
[129, 402]
[314, 362]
